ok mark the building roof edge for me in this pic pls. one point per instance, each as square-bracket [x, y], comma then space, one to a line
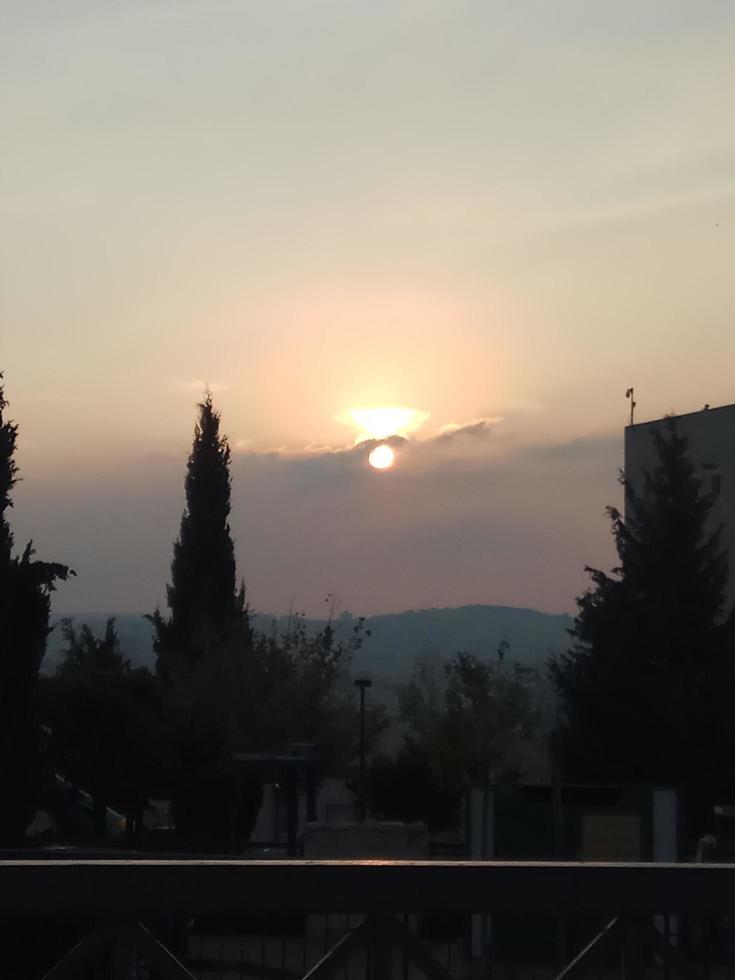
[681, 415]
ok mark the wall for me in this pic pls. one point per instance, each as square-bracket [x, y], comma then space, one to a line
[711, 435]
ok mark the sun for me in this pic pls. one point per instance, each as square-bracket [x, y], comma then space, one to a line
[382, 422]
[379, 423]
[382, 457]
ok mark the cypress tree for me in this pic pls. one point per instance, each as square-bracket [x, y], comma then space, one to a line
[646, 684]
[207, 607]
[25, 587]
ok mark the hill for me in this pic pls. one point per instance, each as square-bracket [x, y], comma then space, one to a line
[396, 639]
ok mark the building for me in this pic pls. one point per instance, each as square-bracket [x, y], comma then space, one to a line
[711, 435]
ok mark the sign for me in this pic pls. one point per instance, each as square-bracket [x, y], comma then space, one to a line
[611, 837]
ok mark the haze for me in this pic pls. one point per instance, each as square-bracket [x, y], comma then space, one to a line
[501, 215]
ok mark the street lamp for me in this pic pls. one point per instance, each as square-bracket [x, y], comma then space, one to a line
[362, 683]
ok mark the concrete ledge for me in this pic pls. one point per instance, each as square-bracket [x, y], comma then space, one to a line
[370, 840]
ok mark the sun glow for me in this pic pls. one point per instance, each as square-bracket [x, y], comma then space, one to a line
[382, 457]
[380, 423]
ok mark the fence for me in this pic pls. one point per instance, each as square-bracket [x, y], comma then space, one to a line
[284, 920]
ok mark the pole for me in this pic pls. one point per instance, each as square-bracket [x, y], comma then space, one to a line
[557, 810]
[362, 683]
[630, 393]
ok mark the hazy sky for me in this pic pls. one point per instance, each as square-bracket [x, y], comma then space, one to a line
[481, 210]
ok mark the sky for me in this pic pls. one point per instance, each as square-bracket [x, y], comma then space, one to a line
[499, 215]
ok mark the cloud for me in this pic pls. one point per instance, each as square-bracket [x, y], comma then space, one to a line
[477, 427]
[460, 454]
[318, 451]
[447, 525]
[453, 441]
[403, 441]
[450, 522]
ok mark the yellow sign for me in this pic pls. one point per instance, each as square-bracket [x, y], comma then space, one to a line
[611, 837]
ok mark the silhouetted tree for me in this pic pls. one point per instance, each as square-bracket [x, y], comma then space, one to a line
[291, 687]
[408, 788]
[204, 646]
[207, 609]
[466, 722]
[647, 684]
[305, 693]
[225, 691]
[103, 723]
[462, 719]
[25, 586]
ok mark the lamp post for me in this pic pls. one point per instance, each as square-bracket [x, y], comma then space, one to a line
[362, 683]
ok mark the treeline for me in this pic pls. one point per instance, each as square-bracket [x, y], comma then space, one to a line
[648, 684]
[124, 736]
[645, 688]
[25, 587]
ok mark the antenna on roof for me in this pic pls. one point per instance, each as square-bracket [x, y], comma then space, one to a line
[629, 394]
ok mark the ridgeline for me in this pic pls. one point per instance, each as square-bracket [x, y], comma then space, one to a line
[395, 640]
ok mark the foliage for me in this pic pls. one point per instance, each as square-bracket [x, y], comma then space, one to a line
[226, 691]
[204, 706]
[309, 696]
[646, 682]
[25, 587]
[102, 716]
[289, 687]
[407, 788]
[465, 722]
[207, 608]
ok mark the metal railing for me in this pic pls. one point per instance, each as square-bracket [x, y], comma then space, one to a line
[284, 920]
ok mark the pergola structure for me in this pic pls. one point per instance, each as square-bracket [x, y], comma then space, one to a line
[301, 765]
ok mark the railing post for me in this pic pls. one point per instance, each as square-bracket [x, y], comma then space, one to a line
[475, 812]
[481, 813]
[380, 948]
[632, 950]
[557, 808]
[121, 956]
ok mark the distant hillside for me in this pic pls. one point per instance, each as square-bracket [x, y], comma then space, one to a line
[396, 639]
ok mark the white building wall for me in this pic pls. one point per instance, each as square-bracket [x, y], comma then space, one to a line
[711, 435]
[334, 804]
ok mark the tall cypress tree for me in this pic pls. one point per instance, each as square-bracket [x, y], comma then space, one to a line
[25, 587]
[207, 607]
[647, 683]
